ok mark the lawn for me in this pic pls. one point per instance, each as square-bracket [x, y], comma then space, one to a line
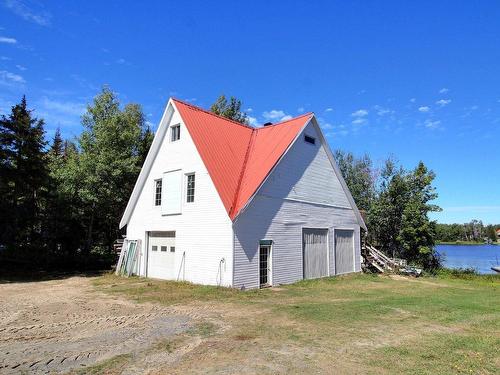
[352, 324]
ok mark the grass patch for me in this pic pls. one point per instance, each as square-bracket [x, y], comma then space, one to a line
[169, 345]
[111, 366]
[164, 292]
[356, 323]
[204, 329]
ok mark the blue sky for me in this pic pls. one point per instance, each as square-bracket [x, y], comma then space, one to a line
[419, 80]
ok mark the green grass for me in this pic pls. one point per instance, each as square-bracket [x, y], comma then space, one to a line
[114, 365]
[444, 324]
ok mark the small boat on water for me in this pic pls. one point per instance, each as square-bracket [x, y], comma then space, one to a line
[496, 269]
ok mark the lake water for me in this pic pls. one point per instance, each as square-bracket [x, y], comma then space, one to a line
[479, 257]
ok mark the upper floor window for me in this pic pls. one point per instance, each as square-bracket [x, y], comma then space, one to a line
[190, 188]
[309, 139]
[157, 192]
[175, 133]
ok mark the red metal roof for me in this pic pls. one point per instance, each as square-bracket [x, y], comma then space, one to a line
[238, 157]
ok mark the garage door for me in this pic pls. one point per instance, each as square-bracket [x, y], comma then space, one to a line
[315, 252]
[344, 251]
[161, 255]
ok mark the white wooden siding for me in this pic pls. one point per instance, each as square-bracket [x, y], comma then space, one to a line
[302, 191]
[203, 229]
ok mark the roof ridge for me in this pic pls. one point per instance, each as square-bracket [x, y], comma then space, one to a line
[284, 122]
[211, 113]
[242, 173]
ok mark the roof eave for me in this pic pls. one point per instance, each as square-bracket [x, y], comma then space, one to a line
[148, 163]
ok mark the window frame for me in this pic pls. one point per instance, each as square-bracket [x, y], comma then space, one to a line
[190, 195]
[175, 132]
[157, 200]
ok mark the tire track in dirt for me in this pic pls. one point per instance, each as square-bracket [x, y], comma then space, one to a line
[59, 326]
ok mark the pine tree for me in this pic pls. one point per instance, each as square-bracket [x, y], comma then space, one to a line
[23, 175]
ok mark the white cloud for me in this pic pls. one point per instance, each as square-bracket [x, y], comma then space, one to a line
[429, 124]
[329, 110]
[302, 109]
[121, 61]
[359, 121]
[8, 78]
[21, 68]
[381, 111]
[249, 110]
[84, 83]
[275, 115]
[413, 100]
[326, 126]
[68, 108]
[360, 113]
[4, 39]
[60, 113]
[444, 90]
[252, 121]
[443, 102]
[5, 58]
[424, 109]
[40, 17]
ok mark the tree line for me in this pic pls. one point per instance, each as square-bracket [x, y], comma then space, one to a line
[473, 231]
[61, 199]
[395, 203]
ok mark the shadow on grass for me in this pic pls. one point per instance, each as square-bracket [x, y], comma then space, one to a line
[26, 275]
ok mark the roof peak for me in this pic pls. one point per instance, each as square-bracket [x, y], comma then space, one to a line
[196, 108]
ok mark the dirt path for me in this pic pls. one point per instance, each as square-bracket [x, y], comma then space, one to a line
[63, 325]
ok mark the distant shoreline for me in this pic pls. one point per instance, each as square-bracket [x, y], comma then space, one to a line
[465, 243]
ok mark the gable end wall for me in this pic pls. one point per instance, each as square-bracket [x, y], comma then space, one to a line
[303, 191]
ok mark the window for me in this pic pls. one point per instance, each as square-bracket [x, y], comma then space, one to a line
[157, 192]
[163, 248]
[175, 133]
[309, 139]
[172, 249]
[190, 188]
[154, 248]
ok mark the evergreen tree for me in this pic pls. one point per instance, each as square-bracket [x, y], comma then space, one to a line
[23, 176]
[230, 110]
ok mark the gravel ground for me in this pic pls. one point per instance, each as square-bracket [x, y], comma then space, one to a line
[61, 325]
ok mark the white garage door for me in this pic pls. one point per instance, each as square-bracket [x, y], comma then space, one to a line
[315, 253]
[161, 255]
[344, 251]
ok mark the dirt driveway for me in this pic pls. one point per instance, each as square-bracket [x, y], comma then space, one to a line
[63, 325]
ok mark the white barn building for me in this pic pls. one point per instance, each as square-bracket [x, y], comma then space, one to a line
[222, 203]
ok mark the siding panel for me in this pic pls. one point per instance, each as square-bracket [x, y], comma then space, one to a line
[203, 231]
[302, 191]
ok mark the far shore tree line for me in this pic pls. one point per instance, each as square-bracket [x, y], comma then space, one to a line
[474, 231]
[61, 200]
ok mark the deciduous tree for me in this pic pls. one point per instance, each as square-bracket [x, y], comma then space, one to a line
[230, 109]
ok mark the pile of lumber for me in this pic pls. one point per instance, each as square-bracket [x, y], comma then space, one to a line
[128, 262]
